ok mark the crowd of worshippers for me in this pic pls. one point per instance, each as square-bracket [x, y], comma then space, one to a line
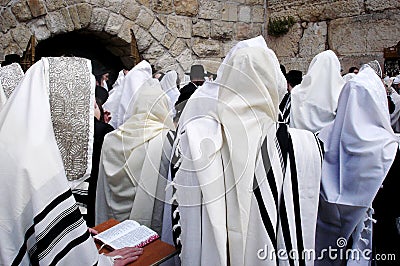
[234, 168]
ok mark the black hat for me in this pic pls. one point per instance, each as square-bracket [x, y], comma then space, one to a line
[197, 73]
[11, 58]
[294, 77]
[101, 94]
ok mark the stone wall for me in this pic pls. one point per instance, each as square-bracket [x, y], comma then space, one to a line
[177, 33]
[170, 33]
[356, 30]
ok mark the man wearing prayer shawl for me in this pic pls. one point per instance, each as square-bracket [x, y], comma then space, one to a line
[46, 131]
[360, 148]
[135, 159]
[119, 103]
[314, 100]
[10, 76]
[169, 85]
[243, 189]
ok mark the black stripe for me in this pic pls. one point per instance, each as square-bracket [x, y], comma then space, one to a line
[270, 174]
[170, 139]
[55, 232]
[282, 136]
[38, 218]
[264, 214]
[296, 203]
[285, 229]
[77, 241]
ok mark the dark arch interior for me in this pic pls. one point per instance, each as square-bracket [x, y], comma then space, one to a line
[85, 45]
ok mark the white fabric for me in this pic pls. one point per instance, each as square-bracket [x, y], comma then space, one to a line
[131, 157]
[360, 144]
[120, 103]
[396, 80]
[360, 147]
[199, 180]
[349, 76]
[314, 100]
[3, 98]
[168, 84]
[118, 83]
[395, 116]
[10, 76]
[219, 215]
[32, 176]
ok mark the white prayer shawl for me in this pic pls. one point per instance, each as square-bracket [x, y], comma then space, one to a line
[314, 100]
[395, 116]
[130, 160]
[199, 180]
[168, 84]
[360, 147]
[41, 224]
[10, 76]
[118, 83]
[120, 103]
[248, 111]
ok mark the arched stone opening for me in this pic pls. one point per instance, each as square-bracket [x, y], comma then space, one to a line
[96, 46]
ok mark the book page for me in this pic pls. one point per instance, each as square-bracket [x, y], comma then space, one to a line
[117, 231]
[135, 238]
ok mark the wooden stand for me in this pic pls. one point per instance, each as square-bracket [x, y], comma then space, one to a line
[153, 254]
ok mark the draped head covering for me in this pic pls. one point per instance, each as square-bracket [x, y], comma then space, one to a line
[45, 141]
[314, 100]
[199, 180]
[120, 103]
[10, 76]
[271, 180]
[360, 144]
[168, 84]
[360, 147]
[131, 156]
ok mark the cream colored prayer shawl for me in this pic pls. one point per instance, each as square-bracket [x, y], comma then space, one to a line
[131, 157]
[240, 194]
[40, 222]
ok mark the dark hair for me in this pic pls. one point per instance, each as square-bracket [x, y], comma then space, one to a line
[351, 69]
[294, 77]
[283, 69]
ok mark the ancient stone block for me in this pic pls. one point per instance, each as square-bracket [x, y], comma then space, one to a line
[186, 7]
[55, 5]
[178, 46]
[114, 5]
[162, 6]
[39, 28]
[124, 32]
[222, 30]
[286, 45]
[314, 39]
[257, 14]
[38, 7]
[185, 60]
[210, 9]
[206, 47]
[130, 9]
[157, 30]
[99, 19]
[55, 22]
[114, 24]
[73, 12]
[244, 13]
[230, 12]
[21, 35]
[180, 26]
[154, 52]
[21, 11]
[202, 28]
[145, 19]
[7, 21]
[168, 40]
[84, 13]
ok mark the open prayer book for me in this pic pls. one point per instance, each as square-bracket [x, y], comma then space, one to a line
[128, 233]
